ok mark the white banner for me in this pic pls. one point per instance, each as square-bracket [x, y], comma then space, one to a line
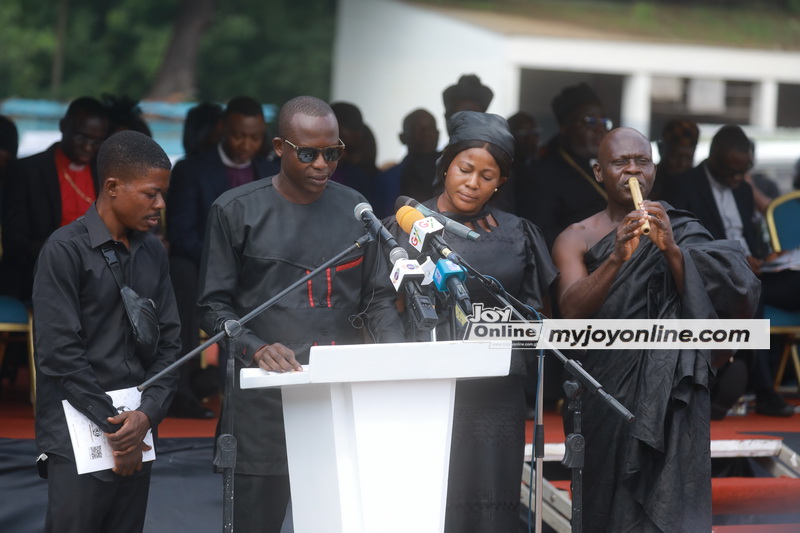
[496, 324]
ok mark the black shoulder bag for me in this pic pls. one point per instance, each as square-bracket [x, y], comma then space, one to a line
[141, 313]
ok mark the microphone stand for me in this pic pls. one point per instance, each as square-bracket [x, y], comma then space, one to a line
[581, 380]
[225, 457]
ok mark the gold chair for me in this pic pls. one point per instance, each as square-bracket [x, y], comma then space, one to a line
[15, 319]
[783, 222]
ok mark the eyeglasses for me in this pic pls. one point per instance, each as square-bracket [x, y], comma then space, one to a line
[593, 122]
[309, 154]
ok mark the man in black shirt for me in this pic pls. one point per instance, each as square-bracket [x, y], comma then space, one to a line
[562, 189]
[85, 344]
[261, 238]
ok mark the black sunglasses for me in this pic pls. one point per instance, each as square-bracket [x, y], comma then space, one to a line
[309, 154]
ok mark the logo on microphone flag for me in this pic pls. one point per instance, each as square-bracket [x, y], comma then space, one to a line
[494, 324]
[420, 231]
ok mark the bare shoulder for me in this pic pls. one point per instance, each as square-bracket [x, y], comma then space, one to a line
[571, 243]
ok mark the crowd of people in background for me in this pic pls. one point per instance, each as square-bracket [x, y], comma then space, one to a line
[531, 199]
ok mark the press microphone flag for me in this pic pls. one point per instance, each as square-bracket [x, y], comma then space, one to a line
[423, 232]
[406, 270]
[363, 212]
[456, 228]
[450, 277]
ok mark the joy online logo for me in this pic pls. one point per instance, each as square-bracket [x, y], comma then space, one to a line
[495, 324]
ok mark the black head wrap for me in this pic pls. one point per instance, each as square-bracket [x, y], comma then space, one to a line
[571, 98]
[469, 87]
[474, 126]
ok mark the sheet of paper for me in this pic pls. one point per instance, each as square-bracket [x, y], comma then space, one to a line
[89, 443]
[789, 260]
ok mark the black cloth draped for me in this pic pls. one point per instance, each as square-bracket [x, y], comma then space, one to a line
[654, 474]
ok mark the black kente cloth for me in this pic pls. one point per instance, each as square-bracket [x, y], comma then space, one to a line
[654, 474]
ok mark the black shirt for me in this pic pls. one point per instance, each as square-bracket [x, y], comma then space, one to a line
[257, 244]
[84, 343]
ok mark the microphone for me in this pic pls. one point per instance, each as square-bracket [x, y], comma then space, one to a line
[363, 212]
[450, 277]
[424, 232]
[456, 228]
[407, 275]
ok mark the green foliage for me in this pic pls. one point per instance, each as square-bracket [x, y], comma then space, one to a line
[280, 49]
[111, 47]
[271, 50]
[25, 52]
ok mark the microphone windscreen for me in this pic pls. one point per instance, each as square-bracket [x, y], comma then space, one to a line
[404, 200]
[360, 209]
[406, 216]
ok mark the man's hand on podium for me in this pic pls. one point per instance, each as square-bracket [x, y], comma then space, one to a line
[277, 358]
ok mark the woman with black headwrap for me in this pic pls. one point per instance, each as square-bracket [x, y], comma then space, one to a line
[489, 420]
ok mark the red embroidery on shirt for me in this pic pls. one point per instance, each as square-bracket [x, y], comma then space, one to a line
[328, 278]
[351, 264]
[310, 291]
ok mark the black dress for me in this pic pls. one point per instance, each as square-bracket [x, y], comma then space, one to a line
[489, 420]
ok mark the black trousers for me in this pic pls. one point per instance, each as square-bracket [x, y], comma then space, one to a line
[85, 504]
[259, 504]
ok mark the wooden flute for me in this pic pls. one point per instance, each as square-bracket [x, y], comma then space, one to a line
[636, 193]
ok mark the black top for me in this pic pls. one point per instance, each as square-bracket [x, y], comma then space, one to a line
[692, 192]
[31, 212]
[562, 191]
[514, 253]
[257, 244]
[195, 182]
[84, 343]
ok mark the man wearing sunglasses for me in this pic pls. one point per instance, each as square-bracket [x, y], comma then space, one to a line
[261, 238]
[48, 190]
[562, 189]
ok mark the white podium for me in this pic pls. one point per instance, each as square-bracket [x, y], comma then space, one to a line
[368, 431]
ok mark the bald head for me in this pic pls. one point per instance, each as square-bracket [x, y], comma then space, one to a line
[624, 153]
[301, 105]
[616, 139]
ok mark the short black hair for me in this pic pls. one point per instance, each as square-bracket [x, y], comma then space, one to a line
[124, 113]
[199, 127]
[731, 137]
[88, 105]
[408, 120]
[450, 152]
[348, 115]
[244, 105]
[129, 154]
[305, 105]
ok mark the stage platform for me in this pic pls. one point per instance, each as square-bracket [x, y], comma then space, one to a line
[765, 448]
[757, 454]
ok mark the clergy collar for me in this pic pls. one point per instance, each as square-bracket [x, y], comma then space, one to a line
[227, 160]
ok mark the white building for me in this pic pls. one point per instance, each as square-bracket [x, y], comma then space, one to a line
[392, 57]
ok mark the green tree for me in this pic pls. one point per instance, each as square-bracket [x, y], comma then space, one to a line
[280, 49]
[270, 50]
